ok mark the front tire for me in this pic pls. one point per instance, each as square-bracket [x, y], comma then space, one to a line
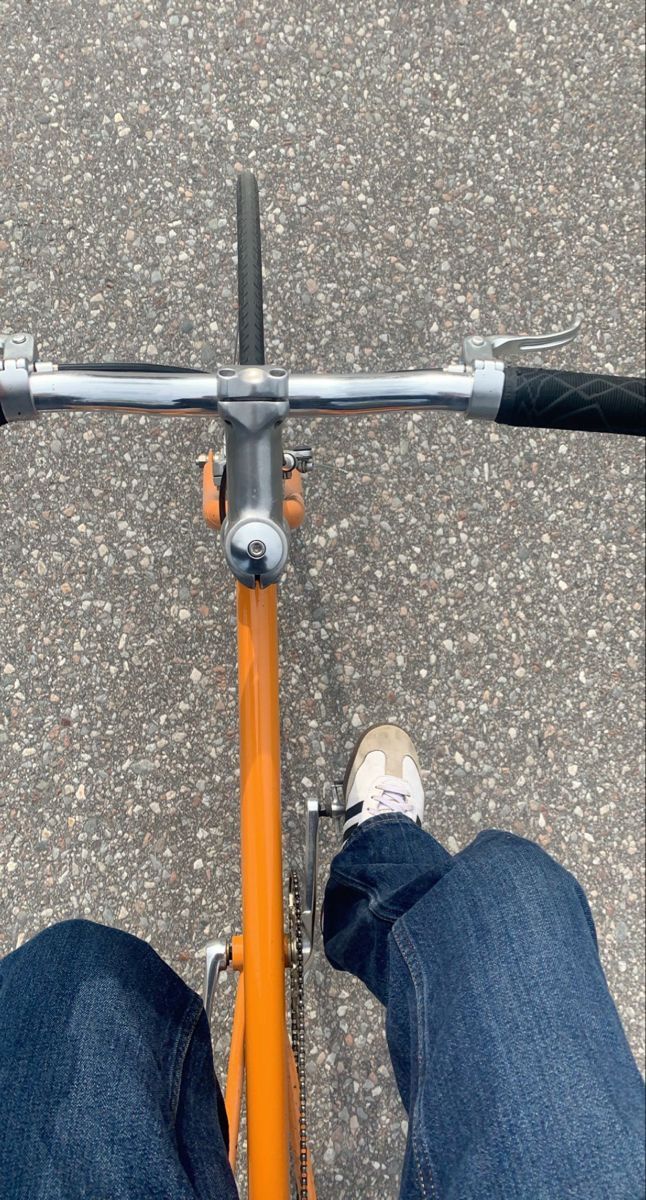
[251, 334]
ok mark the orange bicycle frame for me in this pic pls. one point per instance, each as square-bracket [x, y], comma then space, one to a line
[262, 895]
[260, 1048]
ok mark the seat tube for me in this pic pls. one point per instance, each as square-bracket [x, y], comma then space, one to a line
[262, 895]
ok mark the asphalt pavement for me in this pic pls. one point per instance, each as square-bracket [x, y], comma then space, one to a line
[426, 171]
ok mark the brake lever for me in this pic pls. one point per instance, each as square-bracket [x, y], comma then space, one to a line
[477, 348]
[485, 355]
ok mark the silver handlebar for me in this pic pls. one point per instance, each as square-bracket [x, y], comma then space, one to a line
[474, 386]
[253, 402]
[197, 394]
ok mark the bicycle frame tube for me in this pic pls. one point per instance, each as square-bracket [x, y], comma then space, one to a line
[262, 895]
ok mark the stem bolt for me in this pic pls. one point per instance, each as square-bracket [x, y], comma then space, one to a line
[256, 549]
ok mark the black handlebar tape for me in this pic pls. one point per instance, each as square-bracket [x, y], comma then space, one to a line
[540, 399]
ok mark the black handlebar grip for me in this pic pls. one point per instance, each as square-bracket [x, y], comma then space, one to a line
[540, 399]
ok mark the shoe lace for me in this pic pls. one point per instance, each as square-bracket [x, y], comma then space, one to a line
[390, 794]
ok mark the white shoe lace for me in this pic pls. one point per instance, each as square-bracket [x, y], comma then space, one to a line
[390, 795]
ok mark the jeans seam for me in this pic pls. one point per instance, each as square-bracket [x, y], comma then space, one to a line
[184, 1038]
[419, 1151]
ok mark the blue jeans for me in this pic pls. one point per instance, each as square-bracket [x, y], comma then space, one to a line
[506, 1045]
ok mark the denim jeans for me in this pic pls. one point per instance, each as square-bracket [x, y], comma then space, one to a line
[506, 1045]
[107, 1088]
[505, 1042]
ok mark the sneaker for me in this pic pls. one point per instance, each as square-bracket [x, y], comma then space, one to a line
[383, 776]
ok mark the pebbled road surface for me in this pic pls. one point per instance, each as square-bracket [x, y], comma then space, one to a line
[426, 170]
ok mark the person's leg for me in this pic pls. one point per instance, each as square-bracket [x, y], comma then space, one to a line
[507, 1048]
[106, 1075]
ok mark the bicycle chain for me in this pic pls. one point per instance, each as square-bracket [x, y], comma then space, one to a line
[297, 1005]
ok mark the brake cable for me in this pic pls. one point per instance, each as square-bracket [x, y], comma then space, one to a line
[151, 368]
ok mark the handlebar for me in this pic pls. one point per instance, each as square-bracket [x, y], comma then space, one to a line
[191, 394]
[521, 396]
[253, 402]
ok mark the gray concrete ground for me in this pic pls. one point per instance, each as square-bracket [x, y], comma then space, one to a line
[425, 170]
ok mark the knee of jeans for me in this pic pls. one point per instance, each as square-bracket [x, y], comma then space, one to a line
[505, 856]
[517, 855]
[78, 941]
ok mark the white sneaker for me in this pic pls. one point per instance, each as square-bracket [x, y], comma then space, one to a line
[383, 776]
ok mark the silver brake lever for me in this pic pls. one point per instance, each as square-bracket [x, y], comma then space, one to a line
[476, 348]
[485, 354]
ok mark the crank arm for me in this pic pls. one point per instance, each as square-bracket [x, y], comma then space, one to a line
[218, 957]
[313, 814]
[312, 818]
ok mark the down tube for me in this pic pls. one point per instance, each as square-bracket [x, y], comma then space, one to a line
[262, 895]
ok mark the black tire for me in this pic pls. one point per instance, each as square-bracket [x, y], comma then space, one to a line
[251, 335]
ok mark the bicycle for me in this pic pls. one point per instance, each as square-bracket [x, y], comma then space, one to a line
[254, 498]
